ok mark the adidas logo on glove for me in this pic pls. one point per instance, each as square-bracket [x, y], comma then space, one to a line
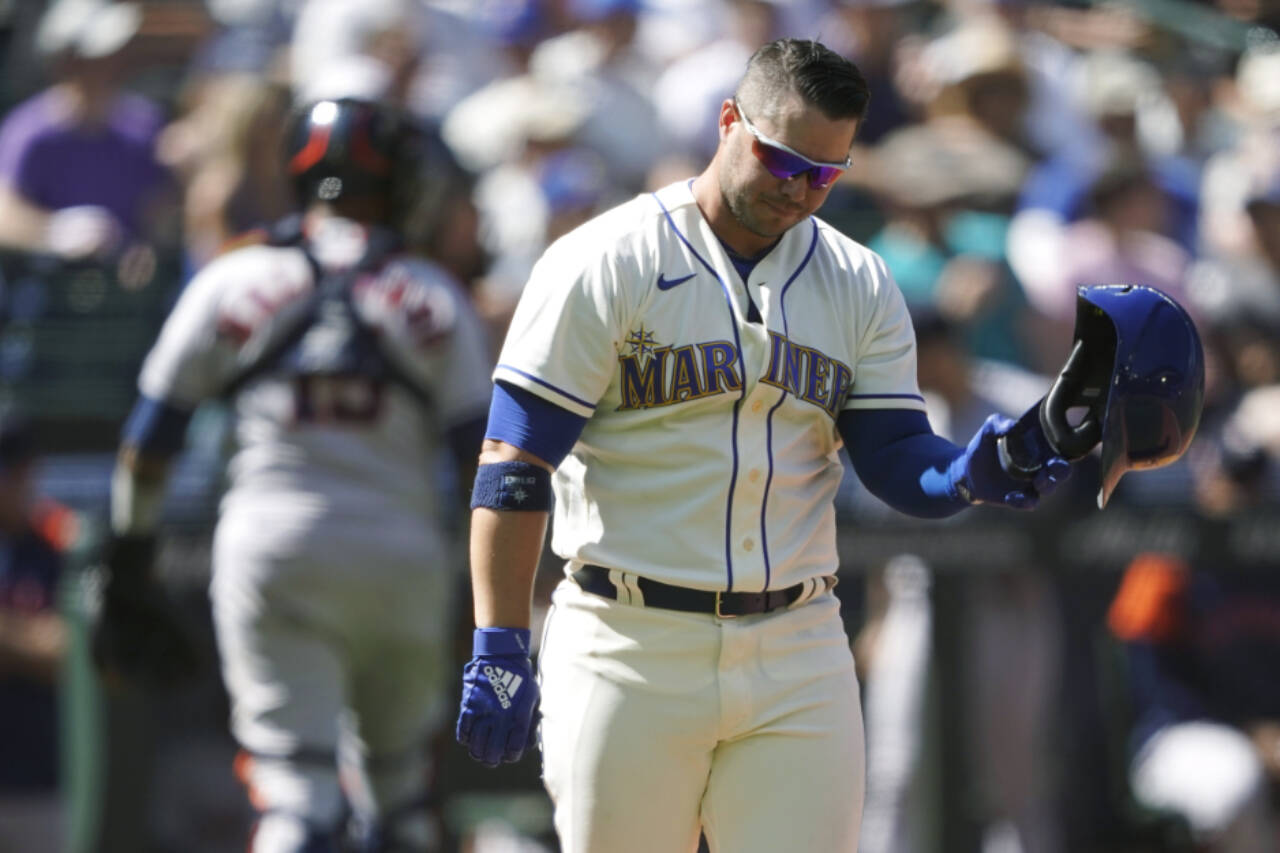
[504, 684]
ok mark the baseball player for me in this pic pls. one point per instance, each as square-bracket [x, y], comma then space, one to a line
[346, 362]
[681, 372]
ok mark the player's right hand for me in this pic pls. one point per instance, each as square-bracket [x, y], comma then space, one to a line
[981, 478]
[499, 697]
[137, 637]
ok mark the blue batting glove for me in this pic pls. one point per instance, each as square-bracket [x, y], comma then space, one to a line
[499, 696]
[979, 477]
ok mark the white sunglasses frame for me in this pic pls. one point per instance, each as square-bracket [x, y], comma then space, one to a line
[764, 139]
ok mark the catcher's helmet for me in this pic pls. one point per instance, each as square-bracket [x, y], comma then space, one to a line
[1137, 367]
[348, 147]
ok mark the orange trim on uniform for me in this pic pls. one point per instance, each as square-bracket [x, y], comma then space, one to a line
[1148, 605]
[242, 766]
[252, 237]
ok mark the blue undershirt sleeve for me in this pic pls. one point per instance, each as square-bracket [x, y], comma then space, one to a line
[901, 461]
[155, 428]
[525, 420]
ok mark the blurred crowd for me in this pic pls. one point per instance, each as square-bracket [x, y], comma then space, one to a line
[1014, 150]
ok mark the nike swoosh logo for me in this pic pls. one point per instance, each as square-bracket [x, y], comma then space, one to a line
[668, 283]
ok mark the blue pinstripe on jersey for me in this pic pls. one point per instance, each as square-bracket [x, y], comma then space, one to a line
[737, 405]
[786, 330]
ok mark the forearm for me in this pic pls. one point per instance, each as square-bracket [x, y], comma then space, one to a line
[912, 476]
[506, 546]
[902, 461]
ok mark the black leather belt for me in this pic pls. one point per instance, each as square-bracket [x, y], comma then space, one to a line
[595, 579]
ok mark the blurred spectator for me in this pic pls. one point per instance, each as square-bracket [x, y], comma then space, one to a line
[947, 186]
[32, 644]
[869, 32]
[516, 27]
[974, 76]
[436, 56]
[1245, 284]
[225, 148]
[368, 50]
[601, 65]
[1053, 124]
[521, 136]
[1119, 242]
[56, 193]
[268, 16]
[526, 206]
[1113, 88]
[1251, 163]
[689, 91]
[1201, 647]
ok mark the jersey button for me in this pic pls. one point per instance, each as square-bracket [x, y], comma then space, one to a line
[757, 406]
[754, 475]
[748, 544]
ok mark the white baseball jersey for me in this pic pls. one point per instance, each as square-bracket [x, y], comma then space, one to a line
[326, 459]
[700, 419]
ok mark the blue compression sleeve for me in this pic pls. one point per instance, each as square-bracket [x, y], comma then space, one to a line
[527, 421]
[156, 428]
[900, 460]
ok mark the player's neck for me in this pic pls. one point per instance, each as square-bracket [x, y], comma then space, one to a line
[728, 230]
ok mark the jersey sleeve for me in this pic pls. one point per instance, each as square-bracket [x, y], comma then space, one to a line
[189, 362]
[563, 339]
[464, 392]
[885, 374]
[429, 326]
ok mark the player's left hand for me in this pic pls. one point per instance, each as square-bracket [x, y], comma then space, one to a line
[499, 697]
[137, 638]
[981, 479]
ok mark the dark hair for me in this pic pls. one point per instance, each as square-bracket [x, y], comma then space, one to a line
[820, 76]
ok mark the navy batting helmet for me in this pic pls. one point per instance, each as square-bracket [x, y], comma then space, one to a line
[1137, 368]
[347, 147]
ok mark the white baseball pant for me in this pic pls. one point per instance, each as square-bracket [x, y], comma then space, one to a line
[656, 723]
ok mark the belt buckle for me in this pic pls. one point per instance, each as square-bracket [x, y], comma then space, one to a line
[719, 613]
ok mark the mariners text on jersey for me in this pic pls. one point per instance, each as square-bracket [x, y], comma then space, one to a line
[654, 375]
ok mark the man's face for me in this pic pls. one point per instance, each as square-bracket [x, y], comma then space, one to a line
[763, 204]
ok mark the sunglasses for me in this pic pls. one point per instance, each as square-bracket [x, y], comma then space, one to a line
[785, 163]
